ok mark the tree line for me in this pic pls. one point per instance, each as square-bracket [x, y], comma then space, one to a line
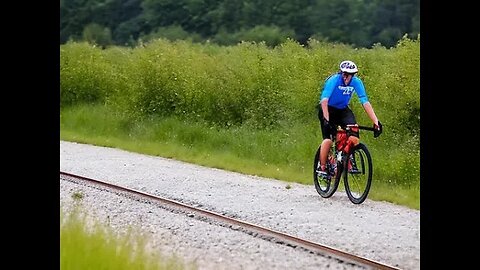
[360, 23]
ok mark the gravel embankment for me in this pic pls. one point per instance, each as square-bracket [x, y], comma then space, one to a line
[376, 230]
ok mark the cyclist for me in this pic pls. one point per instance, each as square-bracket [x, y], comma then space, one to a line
[333, 110]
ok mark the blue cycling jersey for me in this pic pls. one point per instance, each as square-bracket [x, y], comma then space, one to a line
[339, 94]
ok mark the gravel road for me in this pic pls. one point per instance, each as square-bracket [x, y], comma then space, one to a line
[380, 231]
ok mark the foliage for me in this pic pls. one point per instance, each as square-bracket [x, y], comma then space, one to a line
[172, 33]
[270, 35]
[96, 34]
[360, 23]
[247, 83]
[253, 87]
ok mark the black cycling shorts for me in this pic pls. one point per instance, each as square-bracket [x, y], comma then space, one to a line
[337, 117]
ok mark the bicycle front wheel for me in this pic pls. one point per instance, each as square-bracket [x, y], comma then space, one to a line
[358, 174]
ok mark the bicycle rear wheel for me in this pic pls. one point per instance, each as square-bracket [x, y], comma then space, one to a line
[358, 182]
[326, 187]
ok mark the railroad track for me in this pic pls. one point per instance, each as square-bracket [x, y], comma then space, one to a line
[249, 228]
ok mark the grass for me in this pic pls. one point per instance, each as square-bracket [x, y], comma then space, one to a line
[89, 244]
[284, 154]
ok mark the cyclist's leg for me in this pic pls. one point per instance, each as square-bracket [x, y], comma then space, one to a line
[348, 118]
[324, 148]
[327, 138]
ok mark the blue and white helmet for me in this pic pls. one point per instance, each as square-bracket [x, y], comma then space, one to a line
[348, 67]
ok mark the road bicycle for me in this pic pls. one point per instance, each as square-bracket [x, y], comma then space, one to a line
[356, 167]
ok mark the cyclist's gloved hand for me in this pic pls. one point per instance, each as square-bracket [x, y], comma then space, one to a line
[328, 126]
[378, 129]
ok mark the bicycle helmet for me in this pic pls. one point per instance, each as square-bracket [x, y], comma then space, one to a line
[348, 67]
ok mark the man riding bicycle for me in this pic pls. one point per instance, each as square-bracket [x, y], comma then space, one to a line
[334, 111]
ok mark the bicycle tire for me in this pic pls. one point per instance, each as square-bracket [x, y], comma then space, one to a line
[325, 187]
[358, 184]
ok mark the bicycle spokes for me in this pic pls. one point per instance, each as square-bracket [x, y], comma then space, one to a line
[358, 181]
[326, 184]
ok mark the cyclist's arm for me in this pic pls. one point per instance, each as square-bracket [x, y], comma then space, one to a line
[326, 93]
[324, 104]
[362, 96]
[370, 112]
[360, 90]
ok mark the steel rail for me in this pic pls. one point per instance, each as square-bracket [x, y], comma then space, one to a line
[288, 239]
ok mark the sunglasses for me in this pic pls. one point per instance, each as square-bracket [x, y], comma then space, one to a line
[348, 74]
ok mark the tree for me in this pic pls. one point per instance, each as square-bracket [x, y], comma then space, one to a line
[97, 34]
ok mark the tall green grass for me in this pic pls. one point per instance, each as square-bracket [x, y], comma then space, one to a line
[87, 244]
[247, 108]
